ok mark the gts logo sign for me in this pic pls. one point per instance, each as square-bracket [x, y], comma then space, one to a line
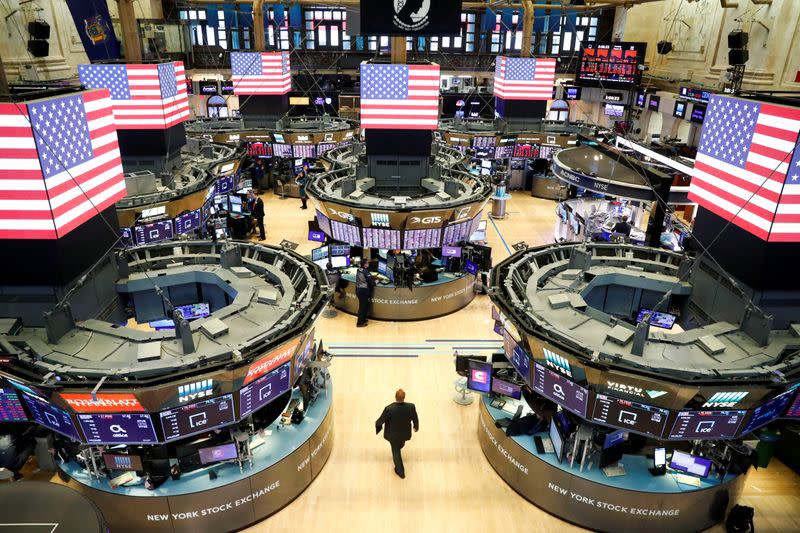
[426, 220]
[341, 214]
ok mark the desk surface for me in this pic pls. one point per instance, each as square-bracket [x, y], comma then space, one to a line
[276, 447]
[637, 476]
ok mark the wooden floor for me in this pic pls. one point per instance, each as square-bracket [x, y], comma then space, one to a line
[449, 485]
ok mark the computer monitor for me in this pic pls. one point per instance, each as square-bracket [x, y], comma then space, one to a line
[126, 462]
[317, 236]
[215, 454]
[506, 388]
[660, 457]
[318, 254]
[471, 267]
[383, 268]
[657, 319]
[480, 376]
[451, 251]
[236, 209]
[690, 464]
[234, 199]
[557, 439]
[462, 363]
[340, 261]
[614, 438]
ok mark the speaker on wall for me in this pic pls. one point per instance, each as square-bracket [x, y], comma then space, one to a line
[39, 29]
[664, 47]
[738, 39]
[38, 47]
[738, 56]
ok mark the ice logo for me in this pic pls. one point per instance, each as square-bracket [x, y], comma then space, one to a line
[411, 15]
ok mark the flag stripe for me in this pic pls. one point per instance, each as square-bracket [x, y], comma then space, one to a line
[267, 73]
[399, 96]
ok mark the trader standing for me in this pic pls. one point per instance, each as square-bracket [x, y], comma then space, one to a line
[302, 180]
[398, 418]
[623, 227]
[364, 285]
[258, 214]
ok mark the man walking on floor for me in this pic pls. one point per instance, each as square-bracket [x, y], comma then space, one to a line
[398, 418]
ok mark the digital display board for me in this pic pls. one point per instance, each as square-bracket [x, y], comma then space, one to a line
[707, 424]
[525, 151]
[767, 412]
[126, 236]
[698, 114]
[457, 232]
[633, 416]
[794, 409]
[422, 238]
[695, 95]
[610, 64]
[346, 233]
[187, 222]
[11, 409]
[324, 223]
[305, 151]
[564, 392]
[155, 232]
[504, 152]
[381, 238]
[481, 141]
[260, 392]
[282, 150]
[614, 110]
[680, 109]
[197, 417]
[259, 149]
[118, 429]
[224, 185]
[572, 93]
[517, 356]
[641, 97]
[324, 147]
[654, 102]
[50, 416]
[480, 376]
[485, 153]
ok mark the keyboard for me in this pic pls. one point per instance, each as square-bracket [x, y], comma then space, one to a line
[687, 480]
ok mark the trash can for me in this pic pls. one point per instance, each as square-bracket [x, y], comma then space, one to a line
[498, 207]
[767, 440]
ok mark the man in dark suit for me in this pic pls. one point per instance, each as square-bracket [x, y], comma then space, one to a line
[398, 417]
[258, 214]
[623, 227]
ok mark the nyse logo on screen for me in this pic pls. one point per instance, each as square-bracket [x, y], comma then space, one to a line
[725, 399]
[195, 391]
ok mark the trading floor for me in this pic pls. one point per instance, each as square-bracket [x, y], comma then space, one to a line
[449, 484]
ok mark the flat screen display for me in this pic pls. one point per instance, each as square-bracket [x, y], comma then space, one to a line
[698, 114]
[125, 462]
[339, 249]
[282, 150]
[422, 238]
[118, 429]
[126, 236]
[215, 454]
[471, 268]
[480, 376]
[690, 464]
[306, 151]
[794, 409]
[346, 233]
[316, 236]
[614, 110]
[611, 64]
[192, 311]
[572, 93]
[155, 232]
[259, 149]
[706, 424]
[50, 416]
[381, 238]
[324, 223]
[641, 97]
[225, 185]
[187, 222]
[680, 109]
[517, 356]
[451, 251]
[657, 319]
[205, 211]
[197, 417]
[456, 232]
[767, 412]
[299, 100]
[485, 152]
[525, 151]
[324, 147]
[654, 102]
[482, 141]
[615, 437]
[506, 388]
[318, 254]
[695, 95]
[11, 409]
[561, 390]
[340, 261]
[633, 416]
[504, 152]
[260, 392]
[556, 439]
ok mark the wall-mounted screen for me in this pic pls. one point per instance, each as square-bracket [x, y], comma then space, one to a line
[306, 151]
[504, 152]
[155, 232]
[633, 416]
[197, 417]
[422, 238]
[707, 424]
[525, 151]
[695, 95]
[259, 149]
[260, 392]
[282, 150]
[346, 233]
[614, 110]
[118, 429]
[50, 416]
[561, 390]
[299, 100]
[572, 93]
[207, 86]
[610, 64]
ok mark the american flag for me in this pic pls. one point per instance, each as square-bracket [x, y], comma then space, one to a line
[261, 72]
[59, 164]
[748, 167]
[151, 96]
[524, 78]
[400, 96]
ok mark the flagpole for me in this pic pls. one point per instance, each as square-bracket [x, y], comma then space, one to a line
[399, 49]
